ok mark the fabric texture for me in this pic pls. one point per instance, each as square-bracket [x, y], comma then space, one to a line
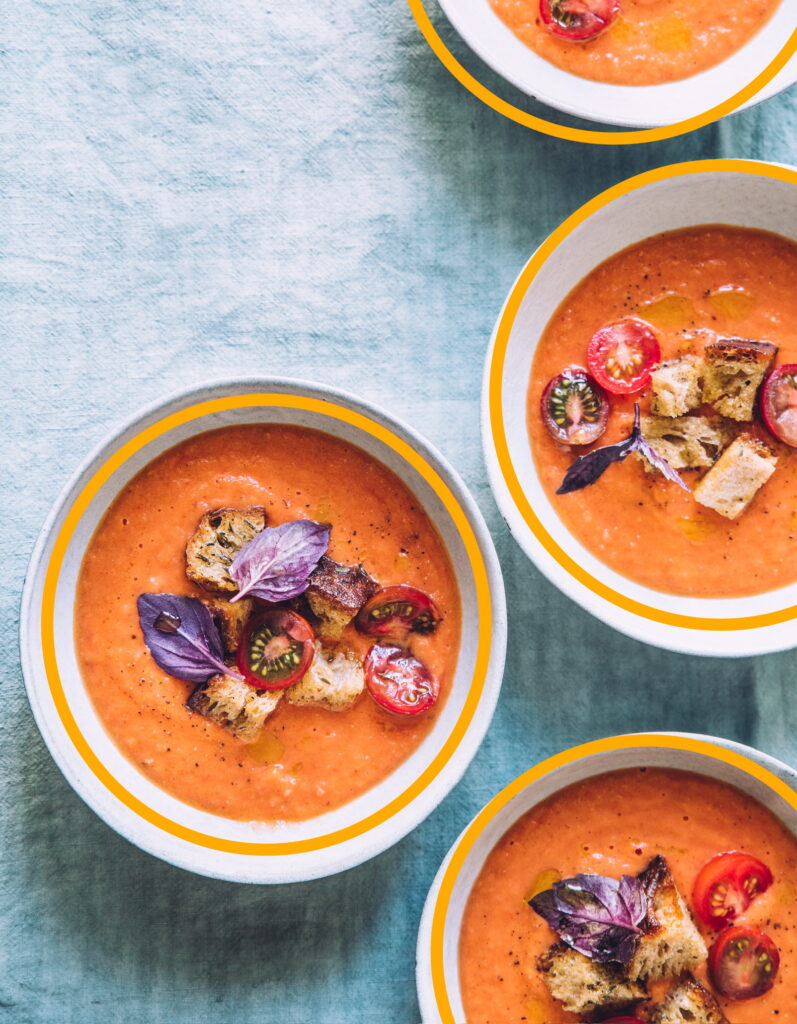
[198, 190]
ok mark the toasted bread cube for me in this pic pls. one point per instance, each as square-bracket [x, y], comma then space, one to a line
[216, 541]
[583, 986]
[235, 705]
[334, 681]
[740, 472]
[687, 442]
[670, 943]
[231, 618]
[336, 593]
[688, 1003]
[677, 386]
[734, 370]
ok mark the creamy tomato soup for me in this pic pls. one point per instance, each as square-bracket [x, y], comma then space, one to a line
[308, 760]
[652, 41]
[611, 825]
[690, 286]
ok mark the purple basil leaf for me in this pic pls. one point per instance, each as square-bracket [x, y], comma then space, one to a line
[587, 468]
[662, 465]
[182, 637]
[595, 915]
[276, 564]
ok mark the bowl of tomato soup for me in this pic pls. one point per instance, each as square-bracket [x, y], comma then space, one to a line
[682, 265]
[293, 783]
[651, 63]
[608, 809]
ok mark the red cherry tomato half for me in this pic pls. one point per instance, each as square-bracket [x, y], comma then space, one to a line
[574, 408]
[275, 650]
[620, 356]
[578, 20]
[727, 885]
[399, 682]
[743, 963]
[396, 611]
[779, 403]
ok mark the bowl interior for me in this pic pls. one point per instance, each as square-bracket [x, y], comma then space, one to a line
[88, 722]
[631, 106]
[742, 199]
[551, 783]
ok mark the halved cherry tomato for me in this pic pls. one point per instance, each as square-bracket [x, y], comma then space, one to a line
[727, 885]
[396, 611]
[578, 20]
[743, 963]
[398, 681]
[779, 403]
[620, 356]
[574, 408]
[275, 650]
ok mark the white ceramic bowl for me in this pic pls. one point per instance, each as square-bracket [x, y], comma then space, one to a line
[112, 786]
[744, 193]
[769, 781]
[631, 106]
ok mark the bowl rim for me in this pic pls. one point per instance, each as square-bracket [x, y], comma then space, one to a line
[639, 620]
[500, 49]
[266, 865]
[430, 954]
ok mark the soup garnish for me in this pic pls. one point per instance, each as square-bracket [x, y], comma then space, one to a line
[397, 611]
[398, 681]
[743, 963]
[727, 885]
[578, 20]
[574, 407]
[621, 356]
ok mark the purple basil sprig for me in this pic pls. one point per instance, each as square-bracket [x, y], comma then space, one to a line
[276, 563]
[182, 637]
[597, 916]
[587, 468]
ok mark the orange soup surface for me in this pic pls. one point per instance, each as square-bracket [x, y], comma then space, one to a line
[614, 824]
[690, 286]
[308, 760]
[651, 42]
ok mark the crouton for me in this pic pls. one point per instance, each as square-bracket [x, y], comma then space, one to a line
[732, 483]
[231, 618]
[734, 370]
[583, 986]
[670, 943]
[687, 442]
[688, 1003]
[677, 386]
[334, 681]
[216, 541]
[336, 593]
[234, 704]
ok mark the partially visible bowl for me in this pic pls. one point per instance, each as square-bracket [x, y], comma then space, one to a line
[733, 192]
[633, 106]
[767, 780]
[114, 788]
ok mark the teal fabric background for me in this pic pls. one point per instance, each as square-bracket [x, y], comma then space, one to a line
[194, 190]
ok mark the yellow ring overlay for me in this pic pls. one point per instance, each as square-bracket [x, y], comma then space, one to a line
[495, 397]
[609, 138]
[66, 532]
[483, 819]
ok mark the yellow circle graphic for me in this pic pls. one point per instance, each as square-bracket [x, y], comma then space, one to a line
[600, 138]
[482, 820]
[72, 520]
[495, 399]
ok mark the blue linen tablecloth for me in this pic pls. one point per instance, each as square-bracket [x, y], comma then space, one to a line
[194, 190]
